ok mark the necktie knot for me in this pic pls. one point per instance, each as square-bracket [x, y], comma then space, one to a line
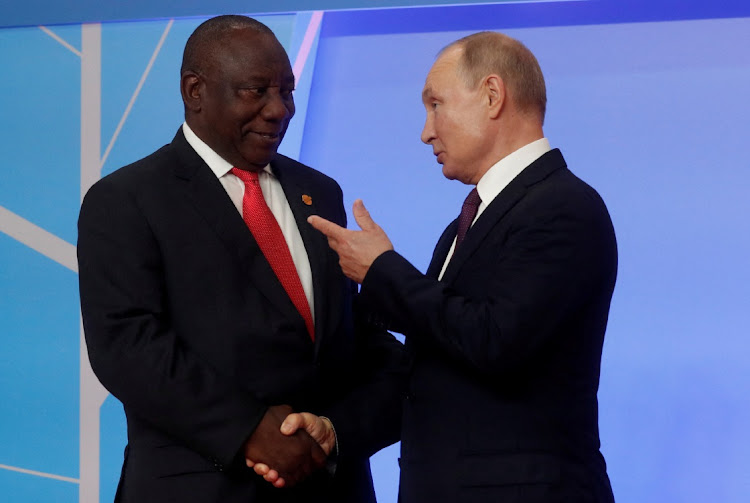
[245, 176]
[468, 213]
[472, 201]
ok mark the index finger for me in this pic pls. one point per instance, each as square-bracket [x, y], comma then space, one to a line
[327, 227]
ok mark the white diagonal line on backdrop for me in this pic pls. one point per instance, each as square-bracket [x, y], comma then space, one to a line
[136, 92]
[60, 40]
[307, 42]
[39, 474]
[38, 239]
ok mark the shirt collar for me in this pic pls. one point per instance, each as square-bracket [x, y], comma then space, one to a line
[506, 169]
[218, 164]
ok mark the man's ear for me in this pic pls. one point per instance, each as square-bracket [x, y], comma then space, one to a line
[494, 89]
[191, 87]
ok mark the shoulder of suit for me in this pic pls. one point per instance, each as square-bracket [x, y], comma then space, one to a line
[283, 162]
[562, 188]
[144, 172]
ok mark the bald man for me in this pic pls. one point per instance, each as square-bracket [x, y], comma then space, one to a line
[213, 311]
[507, 325]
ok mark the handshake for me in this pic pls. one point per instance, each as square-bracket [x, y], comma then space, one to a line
[287, 447]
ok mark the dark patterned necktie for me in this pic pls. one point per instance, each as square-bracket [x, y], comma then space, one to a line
[468, 212]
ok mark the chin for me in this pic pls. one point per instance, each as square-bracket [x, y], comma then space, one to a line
[260, 161]
[453, 173]
[449, 173]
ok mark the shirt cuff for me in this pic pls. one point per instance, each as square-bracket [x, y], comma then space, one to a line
[332, 460]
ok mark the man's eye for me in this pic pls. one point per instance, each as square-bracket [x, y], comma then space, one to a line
[260, 91]
[252, 92]
[287, 93]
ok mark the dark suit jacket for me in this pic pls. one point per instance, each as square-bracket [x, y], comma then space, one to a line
[188, 326]
[502, 403]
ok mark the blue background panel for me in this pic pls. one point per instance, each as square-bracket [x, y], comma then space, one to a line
[157, 111]
[21, 487]
[126, 51]
[39, 362]
[40, 103]
[42, 11]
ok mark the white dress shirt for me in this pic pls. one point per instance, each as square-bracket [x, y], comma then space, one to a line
[273, 193]
[499, 176]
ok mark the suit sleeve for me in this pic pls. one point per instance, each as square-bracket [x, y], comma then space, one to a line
[548, 266]
[133, 347]
[368, 418]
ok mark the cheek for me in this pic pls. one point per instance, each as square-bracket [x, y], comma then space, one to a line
[458, 130]
[466, 121]
[445, 126]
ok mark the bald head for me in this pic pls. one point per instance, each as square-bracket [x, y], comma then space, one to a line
[207, 39]
[486, 53]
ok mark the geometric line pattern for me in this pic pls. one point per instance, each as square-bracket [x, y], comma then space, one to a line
[307, 43]
[39, 474]
[138, 88]
[38, 239]
[61, 40]
[91, 393]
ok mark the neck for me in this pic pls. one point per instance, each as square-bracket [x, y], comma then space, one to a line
[511, 136]
[519, 131]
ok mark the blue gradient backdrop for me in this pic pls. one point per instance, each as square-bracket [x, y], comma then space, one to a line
[648, 104]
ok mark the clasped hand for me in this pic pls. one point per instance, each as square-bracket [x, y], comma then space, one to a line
[286, 447]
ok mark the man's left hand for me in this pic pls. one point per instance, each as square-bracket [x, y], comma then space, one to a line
[357, 250]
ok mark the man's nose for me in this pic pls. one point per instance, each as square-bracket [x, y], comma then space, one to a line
[428, 131]
[277, 108]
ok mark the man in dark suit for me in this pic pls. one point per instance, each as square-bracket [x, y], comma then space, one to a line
[211, 330]
[507, 325]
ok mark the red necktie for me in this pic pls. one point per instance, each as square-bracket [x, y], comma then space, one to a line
[468, 212]
[267, 233]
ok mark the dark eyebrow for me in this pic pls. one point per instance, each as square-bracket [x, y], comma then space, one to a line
[264, 81]
[426, 93]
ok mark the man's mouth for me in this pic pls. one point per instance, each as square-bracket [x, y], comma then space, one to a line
[268, 136]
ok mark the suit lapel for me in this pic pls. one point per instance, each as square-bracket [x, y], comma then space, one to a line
[302, 200]
[441, 250]
[505, 200]
[212, 203]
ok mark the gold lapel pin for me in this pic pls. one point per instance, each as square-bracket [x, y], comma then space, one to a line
[306, 199]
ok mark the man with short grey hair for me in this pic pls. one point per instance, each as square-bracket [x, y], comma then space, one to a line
[507, 325]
